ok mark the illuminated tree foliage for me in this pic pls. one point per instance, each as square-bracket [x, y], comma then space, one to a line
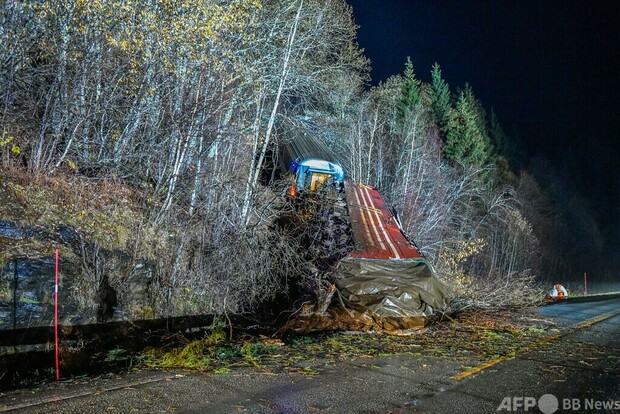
[409, 93]
[185, 101]
[467, 139]
[180, 99]
[440, 99]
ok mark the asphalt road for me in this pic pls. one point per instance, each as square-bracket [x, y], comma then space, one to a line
[577, 372]
[582, 365]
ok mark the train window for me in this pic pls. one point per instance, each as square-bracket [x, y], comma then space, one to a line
[318, 179]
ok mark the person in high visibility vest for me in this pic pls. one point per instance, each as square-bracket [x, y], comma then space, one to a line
[557, 292]
[561, 291]
[553, 293]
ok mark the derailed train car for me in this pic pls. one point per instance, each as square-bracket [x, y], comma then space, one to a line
[385, 274]
[383, 282]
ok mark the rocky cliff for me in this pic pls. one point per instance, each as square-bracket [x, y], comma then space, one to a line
[91, 223]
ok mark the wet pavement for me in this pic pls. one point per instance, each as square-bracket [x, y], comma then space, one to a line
[577, 370]
[362, 386]
[582, 364]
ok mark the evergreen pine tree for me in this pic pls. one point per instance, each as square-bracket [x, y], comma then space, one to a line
[409, 93]
[480, 116]
[467, 140]
[440, 99]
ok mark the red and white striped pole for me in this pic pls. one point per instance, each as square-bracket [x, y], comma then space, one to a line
[56, 318]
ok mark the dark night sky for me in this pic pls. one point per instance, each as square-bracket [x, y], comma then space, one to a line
[549, 67]
[546, 62]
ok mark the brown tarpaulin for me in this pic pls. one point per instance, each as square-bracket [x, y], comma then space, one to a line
[378, 295]
[392, 288]
[395, 295]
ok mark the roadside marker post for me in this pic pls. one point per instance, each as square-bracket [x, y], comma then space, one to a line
[56, 317]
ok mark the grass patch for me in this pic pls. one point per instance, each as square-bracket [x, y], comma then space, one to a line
[212, 352]
[198, 354]
[493, 335]
[221, 371]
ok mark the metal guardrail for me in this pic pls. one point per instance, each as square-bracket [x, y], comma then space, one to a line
[43, 334]
[588, 298]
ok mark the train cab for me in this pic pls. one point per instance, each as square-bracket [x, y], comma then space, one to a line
[313, 173]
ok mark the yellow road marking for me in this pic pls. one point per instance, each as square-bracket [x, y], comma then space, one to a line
[481, 367]
[597, 319]
[363, 207]
[541, 341]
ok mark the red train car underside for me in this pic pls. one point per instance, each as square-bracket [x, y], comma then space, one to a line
[375, 231]
[385, 276]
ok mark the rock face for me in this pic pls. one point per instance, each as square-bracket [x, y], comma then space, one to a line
[27, 278]
[100, 278]
[26, 301]
[88, 284]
